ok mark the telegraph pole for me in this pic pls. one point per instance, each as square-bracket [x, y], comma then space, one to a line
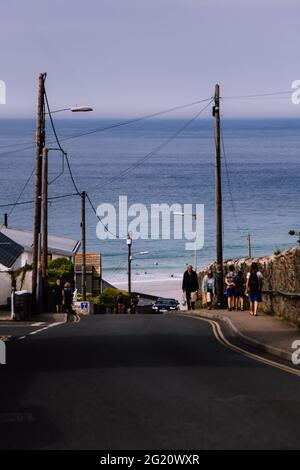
[45, 227]
[249, 245]
[129, 244]
[40, 142]
[83, 247]
[218, 198]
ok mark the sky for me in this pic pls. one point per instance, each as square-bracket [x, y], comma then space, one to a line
[130, 57]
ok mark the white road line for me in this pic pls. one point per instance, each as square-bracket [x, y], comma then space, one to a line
[222, 340]
[45, 328]
[35, 332]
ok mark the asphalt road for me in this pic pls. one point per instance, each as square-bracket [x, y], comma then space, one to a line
[142, 382]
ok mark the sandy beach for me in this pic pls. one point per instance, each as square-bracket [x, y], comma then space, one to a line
[163, 287]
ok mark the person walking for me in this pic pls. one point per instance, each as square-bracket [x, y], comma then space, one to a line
[120, 303]
[254, 287]
[239, 283]
[230, 292]
[68, 300]
[209, 287]
[58, 296]
[190, 286]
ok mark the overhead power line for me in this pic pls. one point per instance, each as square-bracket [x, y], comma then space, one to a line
[156, 149]
[95, 212]
[29, 146]
[229, 184]
[147, 156]
[258, 95]
[53, 198]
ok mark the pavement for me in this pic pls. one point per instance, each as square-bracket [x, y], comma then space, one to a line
[264, 332]
[143, 382]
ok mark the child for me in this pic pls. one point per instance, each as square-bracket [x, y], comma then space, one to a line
[230, 289]
[239, 291]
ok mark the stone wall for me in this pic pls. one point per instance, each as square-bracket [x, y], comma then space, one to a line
[281, 275]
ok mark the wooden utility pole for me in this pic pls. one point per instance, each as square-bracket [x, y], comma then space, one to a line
[249, 245]
[218, 198]
[129, 244]
[83, 247]
[40, 142]
[45, 227]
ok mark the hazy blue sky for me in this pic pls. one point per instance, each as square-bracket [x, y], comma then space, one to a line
[127, 57]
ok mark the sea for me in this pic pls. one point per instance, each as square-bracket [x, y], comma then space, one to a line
[156, 161]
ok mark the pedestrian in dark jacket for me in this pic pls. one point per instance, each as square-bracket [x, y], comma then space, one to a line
[58, 296]
[190, 286]
[254, 287]
[68, 300]
[239, 283]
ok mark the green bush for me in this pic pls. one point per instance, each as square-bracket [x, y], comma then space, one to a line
[89, 297]
[61, 268]
[109, 297]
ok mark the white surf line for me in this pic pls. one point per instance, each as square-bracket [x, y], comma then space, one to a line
[222, 340]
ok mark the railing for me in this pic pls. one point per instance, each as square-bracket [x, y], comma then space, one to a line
[290, 295]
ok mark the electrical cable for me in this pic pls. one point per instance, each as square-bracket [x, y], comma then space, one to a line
[53, 198]
[158, 148]
[259, 95]
[95, 212]
[147, 156]
[229, 183]
[112, 126]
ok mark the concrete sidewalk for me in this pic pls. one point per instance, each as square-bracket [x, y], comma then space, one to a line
[43, 317]
[5, 315]
[267, 333]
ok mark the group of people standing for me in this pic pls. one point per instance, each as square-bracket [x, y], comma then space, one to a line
[63, 298]
[237, 288]
[123, 306]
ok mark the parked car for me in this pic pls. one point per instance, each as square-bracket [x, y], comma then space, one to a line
[163, 304]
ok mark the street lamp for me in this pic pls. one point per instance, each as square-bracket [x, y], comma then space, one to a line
[130, 257]
[182, 214]
[74, 109]
[40, 144]
[129, 243]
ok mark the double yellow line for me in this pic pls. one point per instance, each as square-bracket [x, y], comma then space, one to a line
[222, 340]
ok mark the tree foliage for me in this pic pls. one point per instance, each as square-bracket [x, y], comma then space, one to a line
[60, 268]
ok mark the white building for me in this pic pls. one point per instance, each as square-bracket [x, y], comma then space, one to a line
[16, 250]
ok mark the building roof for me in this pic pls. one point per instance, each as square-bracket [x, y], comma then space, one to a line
[10, 251]
[58, 245]
[91, 259]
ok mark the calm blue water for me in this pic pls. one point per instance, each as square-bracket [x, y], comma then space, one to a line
[263, 167]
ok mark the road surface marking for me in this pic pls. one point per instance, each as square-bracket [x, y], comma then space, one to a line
[17, 325]
[35, 332]
[4, 338]
[16, 417]
[222, 340]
